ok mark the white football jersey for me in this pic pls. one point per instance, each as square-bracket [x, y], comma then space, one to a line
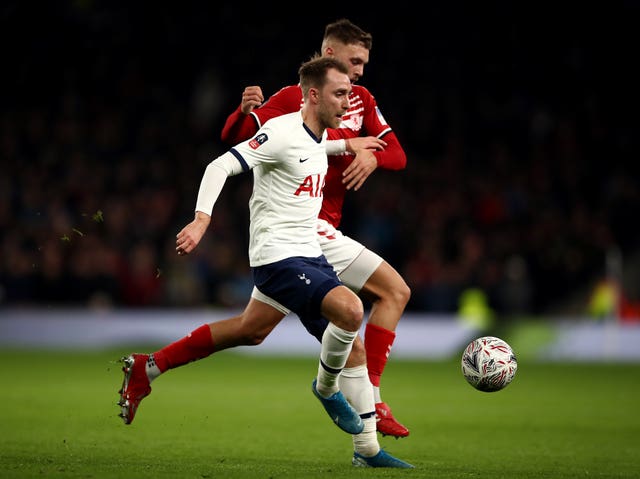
[289, 166]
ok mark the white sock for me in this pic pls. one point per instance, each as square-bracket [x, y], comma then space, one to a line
[151, 369]
[357, 389]
[366, 443]
[376, 394]
[336, 346]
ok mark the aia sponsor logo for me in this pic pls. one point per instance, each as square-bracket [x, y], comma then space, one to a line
[258, 140]
[312, 185]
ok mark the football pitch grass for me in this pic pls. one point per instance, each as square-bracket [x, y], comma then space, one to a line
[242, 416]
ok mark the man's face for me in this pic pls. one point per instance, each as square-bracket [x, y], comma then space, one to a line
[334, 99]
[354, 56]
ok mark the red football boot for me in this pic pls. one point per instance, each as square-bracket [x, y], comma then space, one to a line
[135, 386]
[387, 424]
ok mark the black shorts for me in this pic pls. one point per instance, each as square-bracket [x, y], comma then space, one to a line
[299, 284]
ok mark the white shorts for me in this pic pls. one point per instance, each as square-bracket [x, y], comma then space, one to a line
[260, 296]
[351, 260]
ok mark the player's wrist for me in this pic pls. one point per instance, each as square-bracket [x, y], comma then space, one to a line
[202, 218]
[336, 147]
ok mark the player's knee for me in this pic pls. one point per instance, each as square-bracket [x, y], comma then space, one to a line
[397, 293]
[353, 315]
[403, 294]
[343, 308]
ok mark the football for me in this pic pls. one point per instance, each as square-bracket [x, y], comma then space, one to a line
[489, 364]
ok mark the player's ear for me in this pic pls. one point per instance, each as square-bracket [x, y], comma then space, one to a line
[314, 94]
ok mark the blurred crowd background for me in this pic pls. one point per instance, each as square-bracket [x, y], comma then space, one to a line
[520, 123]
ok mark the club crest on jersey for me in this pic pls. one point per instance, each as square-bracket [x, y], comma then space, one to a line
[354, 122]
[258, 140]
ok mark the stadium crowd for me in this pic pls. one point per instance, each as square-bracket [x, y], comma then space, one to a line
[522, 154]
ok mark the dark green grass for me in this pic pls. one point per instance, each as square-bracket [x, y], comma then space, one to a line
[235, 416]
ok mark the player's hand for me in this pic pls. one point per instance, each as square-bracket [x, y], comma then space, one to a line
[190, 235]
[251, 97]
[364, 163]
[353, 145]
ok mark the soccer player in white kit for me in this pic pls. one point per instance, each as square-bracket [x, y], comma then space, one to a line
[289, 162]
[362, 270]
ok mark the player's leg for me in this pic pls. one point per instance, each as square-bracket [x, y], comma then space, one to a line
[389, 295]
[335, 326]
[330, 312]
[356, 387]
[141, 369]
[374, 279]
[249, 328]
[344, 311]
[377, 281]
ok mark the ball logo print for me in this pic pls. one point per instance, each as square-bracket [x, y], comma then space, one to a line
[489, 364]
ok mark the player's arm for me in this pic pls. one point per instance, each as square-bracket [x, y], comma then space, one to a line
[364, 162]
[390, 157]
[252, 97]
[393, 156]
[213, 180]
[252, 114]
[352, 145]
[189, 237]
[241, 125]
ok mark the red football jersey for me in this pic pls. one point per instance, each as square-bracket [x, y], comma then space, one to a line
[362, 119]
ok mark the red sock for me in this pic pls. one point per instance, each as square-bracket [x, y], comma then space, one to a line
[377, 342]
[196, 345]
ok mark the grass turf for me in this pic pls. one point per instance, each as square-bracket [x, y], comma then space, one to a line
[239, 416]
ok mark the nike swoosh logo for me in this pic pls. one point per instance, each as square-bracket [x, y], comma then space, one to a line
[302, 161]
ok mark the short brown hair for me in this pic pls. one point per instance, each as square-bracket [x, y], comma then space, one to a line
[348, 33]
[313, 73]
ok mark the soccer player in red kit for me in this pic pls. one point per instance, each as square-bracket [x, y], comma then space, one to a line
[363, 142]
